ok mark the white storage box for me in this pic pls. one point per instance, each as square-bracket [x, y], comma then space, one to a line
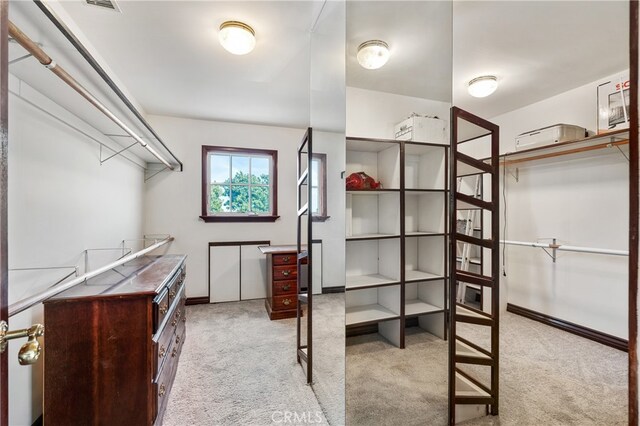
[549, 136]
[419, 128]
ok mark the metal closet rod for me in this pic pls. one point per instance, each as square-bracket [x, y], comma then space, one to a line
[62, 27]
[40, 297]
[51, 65]
[562, 247]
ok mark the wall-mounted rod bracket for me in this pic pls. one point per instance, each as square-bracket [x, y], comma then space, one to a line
[30, 351]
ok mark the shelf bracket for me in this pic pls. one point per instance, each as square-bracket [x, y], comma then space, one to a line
[104, 160]
[149, 173]
[554, 249]
[516, 176]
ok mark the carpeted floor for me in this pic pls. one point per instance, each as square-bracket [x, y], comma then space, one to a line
[239, 368]
[547, 377]
[329, 352]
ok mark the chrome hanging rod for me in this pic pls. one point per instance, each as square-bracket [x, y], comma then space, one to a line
[39, 297]
[562, 247]
[84, 52]
[31, 47]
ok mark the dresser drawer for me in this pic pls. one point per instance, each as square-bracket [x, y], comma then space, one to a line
[281, 288]
[162, 348]
[284, 259]
[284, 302]
[163, 382]
[287, 272]
[160, 309]
[174, 287]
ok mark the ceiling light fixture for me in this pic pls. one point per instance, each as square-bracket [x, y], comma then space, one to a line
[481, 87]
[373, 54]
[237, 37]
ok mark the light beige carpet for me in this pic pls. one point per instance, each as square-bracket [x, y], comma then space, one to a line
[547, 377]
[239, 368]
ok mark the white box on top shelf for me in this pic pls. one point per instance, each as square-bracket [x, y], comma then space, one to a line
[380, 160]
[422, 129]
[424, 167]
[424, 213]
[372, 214]
[424, 258]
[372, 263]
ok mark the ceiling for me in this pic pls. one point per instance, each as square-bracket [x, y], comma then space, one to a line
[167, 55]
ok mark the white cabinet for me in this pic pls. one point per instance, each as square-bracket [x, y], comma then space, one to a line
[237, 271]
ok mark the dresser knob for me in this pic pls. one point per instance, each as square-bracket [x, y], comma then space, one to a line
[162, 391]
[164, 309]
[184, 319]
[286, 273]
[177, 340]
[286, 287]
[286, 259]
[163, 352]
[174, 352]
[286, 302]
[172, 294]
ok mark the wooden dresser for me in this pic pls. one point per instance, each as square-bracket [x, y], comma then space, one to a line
[113, 344]
[282, 286]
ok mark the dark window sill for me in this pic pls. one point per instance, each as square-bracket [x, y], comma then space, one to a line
[320, 218]
[209, 219]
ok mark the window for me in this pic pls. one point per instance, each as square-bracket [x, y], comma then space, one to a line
[319, 187]
[239, 185]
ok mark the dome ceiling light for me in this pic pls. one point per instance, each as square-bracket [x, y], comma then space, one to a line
[481, 87]
[373, 54]
[237, 38]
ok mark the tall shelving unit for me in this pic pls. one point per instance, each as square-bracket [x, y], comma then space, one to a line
[396, 238]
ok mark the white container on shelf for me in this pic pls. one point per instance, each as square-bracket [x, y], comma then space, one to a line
[549, 135]
[418, 128]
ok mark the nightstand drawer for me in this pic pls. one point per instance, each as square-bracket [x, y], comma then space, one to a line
[284, 302]
[280, 288]
[288, 272]
[284, 259]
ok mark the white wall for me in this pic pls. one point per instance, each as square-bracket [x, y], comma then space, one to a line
[173, 200]
[332, 231]
[61, 202]
[374, 114]
[581, 200]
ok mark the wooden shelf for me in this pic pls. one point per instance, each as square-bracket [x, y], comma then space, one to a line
[416, 307]
[356, 315]
[607, 140]
[359, 282]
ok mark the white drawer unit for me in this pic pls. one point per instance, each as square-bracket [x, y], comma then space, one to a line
[419, 128]
[549, 136]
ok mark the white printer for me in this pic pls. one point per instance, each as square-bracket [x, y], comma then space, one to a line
[421, 128]
[549, 135]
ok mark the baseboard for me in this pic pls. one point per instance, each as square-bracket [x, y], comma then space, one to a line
[579, 330]
[38, 421]
[329, 290]
[197, 300]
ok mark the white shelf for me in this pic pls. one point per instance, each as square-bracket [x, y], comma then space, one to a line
[371, 237]
[423, 234]
[418, 307]
[462, 349]
[412, 275]
[367, 281]
[465, 387]
[371, 191]
[368, 313]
